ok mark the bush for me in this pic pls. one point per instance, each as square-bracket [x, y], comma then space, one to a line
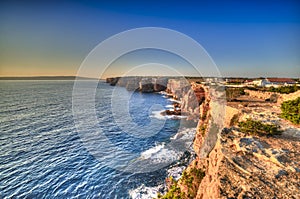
[258, 128]
[291, 110]
[190, 180]
[174, 191]
[285, 89]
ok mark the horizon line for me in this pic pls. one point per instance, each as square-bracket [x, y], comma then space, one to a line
[74, 76]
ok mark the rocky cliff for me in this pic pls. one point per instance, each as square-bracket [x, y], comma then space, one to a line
[143, 84]
[232, 164]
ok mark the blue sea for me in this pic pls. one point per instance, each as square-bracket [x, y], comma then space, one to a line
[42, 155]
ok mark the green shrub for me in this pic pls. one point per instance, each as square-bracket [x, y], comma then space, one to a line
[291, 110]
[284, 89]
[189, 179]
[258, 128]
[174, 192]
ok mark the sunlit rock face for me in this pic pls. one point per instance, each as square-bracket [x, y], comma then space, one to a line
[251, 167]
[178, 87]
[246, 166]
[192, 99]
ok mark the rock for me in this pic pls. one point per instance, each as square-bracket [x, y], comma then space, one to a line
[160, 84]
[112, 81]
[242, 166]
[169, 112]
[146, 85]
[133, 84]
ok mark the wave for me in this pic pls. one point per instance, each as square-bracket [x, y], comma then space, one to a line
[174, 100]
[169, 151]
[169, 106]
[144, 192]
[176, 172]
[161, 152]
[154, 150]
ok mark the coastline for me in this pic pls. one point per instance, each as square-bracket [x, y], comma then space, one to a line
[171, 92]
[226, 159]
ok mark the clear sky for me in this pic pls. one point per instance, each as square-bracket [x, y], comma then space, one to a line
[244, 38]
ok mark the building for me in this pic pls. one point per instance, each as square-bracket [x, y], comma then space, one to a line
[277, 82]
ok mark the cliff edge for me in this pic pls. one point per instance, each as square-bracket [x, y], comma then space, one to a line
[235, 164]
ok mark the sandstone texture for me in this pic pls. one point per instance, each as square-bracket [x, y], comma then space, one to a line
[239, 165]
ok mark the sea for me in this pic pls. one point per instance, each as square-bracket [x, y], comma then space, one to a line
[42, 154]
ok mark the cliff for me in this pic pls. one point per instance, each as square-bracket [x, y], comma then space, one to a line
[143, 84]
[232, 164]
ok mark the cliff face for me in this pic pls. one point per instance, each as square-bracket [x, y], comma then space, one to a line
[236, 165]
[143, 84]
[250, 167]
[229, 163]
[243, 166]
[191, 96]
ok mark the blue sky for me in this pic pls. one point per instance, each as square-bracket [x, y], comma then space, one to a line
[244, 38]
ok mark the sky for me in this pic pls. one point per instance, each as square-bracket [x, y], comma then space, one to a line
[244, 38]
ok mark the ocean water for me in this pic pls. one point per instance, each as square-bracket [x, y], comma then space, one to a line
[43, 156]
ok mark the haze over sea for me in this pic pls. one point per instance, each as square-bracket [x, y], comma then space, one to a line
[42, 155]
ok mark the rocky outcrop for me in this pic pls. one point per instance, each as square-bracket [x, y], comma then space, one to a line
[112, 80]
[236, 165]
[143, 84]
[191, 95]
[160, 84]
[191, 100]
[269, 95]
[147, 85]
[242, 166]
[178, 87]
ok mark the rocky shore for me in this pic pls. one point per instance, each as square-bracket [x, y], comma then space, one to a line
[237, 165]
[143, 84]
[228, 162]
[188, 95]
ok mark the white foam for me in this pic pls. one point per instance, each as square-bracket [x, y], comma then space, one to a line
[144, 192]
[176, 172]
[148, 153]
[158, 115]
[160, 154]
[186, 133]
[174, 100]
[169, 106]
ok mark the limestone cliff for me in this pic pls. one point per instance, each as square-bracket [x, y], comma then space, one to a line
[143, 84]
[233, 164]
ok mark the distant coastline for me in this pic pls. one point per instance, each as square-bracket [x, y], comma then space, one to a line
[46, 78]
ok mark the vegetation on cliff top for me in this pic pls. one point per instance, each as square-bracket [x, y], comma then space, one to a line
[189, 181]
[285, 89]
[291, 110]
[253, 127]
[281, 89]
